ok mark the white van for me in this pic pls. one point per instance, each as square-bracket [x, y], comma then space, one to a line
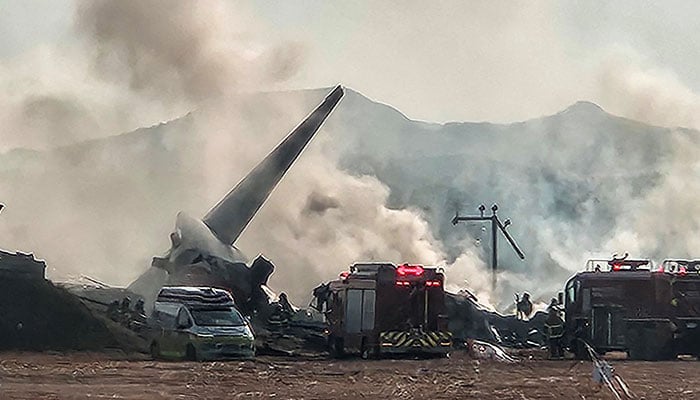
[199, 323]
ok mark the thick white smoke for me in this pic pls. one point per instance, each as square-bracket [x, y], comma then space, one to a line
[137, 63]
[664, 222]
[89, 210]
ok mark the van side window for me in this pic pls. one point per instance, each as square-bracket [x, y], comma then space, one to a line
[183, 318]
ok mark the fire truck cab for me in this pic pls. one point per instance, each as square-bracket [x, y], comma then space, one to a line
[628, 305]
[381, 308]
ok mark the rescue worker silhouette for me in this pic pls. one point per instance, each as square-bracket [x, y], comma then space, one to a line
[138, 316]
[125, 311]
[554, 330]
[524, 306]
[287, 308]
[139, 307]
[113, 310]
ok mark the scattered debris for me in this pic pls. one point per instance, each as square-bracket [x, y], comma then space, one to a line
[604, 374]
[36, 315]
[478, 349]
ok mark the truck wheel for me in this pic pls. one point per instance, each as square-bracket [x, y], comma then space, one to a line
[369, 352]
[336, 347]
[365, 353]
[191, 353]
[664, 353]
[636, 352]
[155, 350]
[580, 351]
[647, 344]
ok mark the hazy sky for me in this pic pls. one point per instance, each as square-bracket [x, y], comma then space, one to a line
[446, 60]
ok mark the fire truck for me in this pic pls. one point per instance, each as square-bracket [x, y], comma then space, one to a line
[683, 303]
[379, 308]
[629, 305]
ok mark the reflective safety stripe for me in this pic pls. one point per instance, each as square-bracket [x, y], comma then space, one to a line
[412, 339]
[554, 331]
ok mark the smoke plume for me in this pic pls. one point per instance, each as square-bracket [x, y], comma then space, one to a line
[104, 208]
[577, 184]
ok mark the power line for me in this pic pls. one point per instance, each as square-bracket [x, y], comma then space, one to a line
[496, 225]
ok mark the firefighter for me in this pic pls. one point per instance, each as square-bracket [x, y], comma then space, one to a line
[287, 308]
[139, 307]
[138, 316]
[554, 330]
[125, 311]
[524, 306]
[113, 310]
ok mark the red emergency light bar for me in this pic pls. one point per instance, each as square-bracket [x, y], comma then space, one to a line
[405, 270]
[344, 275]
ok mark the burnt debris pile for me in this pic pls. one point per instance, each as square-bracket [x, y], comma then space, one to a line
[37, 315]
[469, 320]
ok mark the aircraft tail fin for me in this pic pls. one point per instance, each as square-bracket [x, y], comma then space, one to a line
[231, 215]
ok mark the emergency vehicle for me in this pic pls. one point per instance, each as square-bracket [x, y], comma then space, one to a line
[630, 305]
[381, 308]
[199, 323]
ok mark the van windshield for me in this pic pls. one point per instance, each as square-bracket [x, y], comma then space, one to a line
[218, 317]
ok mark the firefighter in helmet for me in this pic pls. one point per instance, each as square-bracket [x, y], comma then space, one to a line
[523, 306]
[554, 330]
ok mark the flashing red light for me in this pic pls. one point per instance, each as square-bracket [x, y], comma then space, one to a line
[403, 283]
[682, 271]
[344, 275]
[432, 283]
[405, 269]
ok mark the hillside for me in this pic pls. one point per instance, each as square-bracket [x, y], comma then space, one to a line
[573, 183]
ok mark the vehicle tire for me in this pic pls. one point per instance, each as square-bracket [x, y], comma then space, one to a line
[369, 352]
[651, 343]
[191, 353]
[365, 354]
[155, 350]
[580, 351]
[336, 347]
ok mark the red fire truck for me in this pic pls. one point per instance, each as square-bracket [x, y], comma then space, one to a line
[629, 305]
[381, 308]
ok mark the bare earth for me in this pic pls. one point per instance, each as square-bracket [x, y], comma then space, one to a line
[98, 376]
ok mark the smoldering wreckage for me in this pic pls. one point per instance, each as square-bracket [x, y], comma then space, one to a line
[372, 309]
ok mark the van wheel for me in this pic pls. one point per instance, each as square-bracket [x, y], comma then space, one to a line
[155, 350]
[191, 353]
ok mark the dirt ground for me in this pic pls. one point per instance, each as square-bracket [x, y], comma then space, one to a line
[101, 376]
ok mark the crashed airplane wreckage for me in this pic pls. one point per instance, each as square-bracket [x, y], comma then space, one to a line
[202, 252]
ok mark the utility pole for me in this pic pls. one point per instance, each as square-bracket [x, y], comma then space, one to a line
[496, 225]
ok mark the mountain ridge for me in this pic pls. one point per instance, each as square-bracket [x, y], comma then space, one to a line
[560, 178]
[580, 107]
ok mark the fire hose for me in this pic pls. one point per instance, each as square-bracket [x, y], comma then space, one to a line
[603, 372]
